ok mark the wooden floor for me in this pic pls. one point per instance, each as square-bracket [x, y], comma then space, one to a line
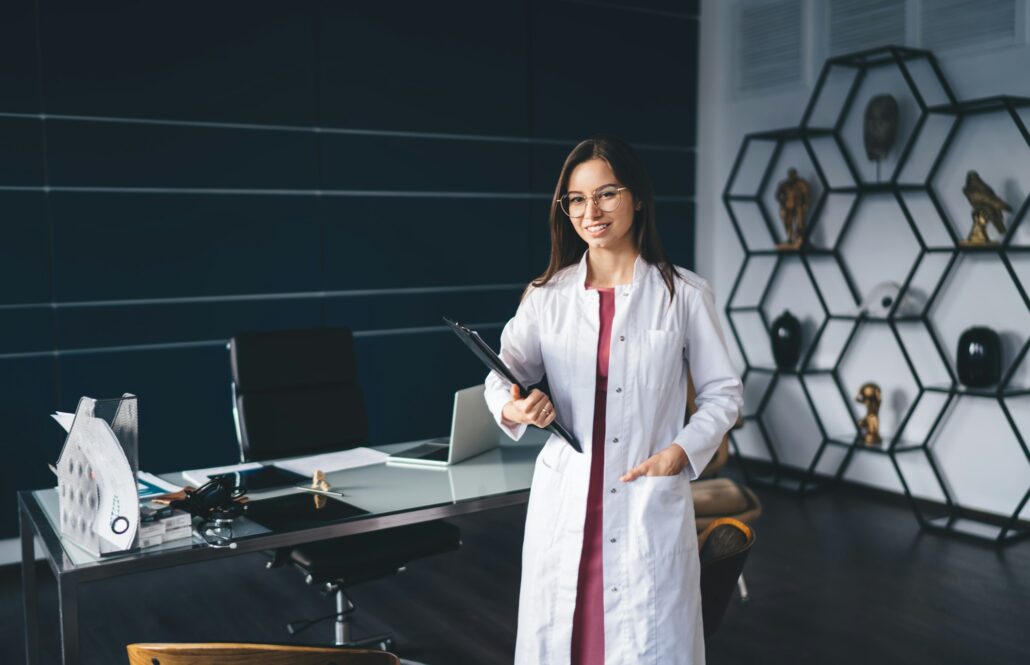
[838, 578]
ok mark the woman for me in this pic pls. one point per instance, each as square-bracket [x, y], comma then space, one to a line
[610, 569]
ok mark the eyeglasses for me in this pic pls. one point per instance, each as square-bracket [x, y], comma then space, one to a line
[606, 199]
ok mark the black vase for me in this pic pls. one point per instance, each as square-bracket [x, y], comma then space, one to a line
[979, 357]
[786, 340]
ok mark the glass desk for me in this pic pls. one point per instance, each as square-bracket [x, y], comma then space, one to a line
[392, 495]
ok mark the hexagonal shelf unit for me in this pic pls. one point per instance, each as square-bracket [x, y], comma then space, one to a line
[848, 83]
[827, 282]
[972, 136]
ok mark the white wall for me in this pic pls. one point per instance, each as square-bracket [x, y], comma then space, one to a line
[979, 454]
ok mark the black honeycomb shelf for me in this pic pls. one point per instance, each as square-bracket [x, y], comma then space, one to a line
[823, 144]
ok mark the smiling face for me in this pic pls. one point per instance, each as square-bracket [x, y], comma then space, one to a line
[610, 231]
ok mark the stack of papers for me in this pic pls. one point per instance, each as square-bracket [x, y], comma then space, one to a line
[335, 461]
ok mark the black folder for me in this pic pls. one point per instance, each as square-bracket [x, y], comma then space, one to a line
[493, 362]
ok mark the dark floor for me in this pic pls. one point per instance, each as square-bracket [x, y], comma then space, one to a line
[837, 578]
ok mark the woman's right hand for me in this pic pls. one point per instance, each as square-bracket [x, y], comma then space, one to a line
[534, 409]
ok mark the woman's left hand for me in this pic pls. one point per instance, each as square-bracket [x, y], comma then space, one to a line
[668, 462]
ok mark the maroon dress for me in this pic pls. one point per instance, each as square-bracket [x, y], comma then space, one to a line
[588, 619]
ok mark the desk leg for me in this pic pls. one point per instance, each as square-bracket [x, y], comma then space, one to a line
[68, 606]
[28, 588]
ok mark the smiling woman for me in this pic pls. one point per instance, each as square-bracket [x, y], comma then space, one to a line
[610, 565]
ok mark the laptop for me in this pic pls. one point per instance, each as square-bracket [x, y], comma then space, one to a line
[473, 431]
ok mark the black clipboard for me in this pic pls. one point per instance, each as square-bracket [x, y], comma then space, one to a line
[483, 351]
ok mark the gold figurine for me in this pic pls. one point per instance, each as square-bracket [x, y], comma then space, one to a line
[319, 482]
[793, 195]
[987, 207]
[869, 394]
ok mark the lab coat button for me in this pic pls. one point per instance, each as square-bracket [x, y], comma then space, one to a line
[613, 490]
[622, 338]
[612, 540]
[615, 589]
[615, 440]
[618, 390]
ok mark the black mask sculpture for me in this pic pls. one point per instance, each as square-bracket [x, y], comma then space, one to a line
[881, 126]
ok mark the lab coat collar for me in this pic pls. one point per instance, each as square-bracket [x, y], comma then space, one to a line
[641, 269]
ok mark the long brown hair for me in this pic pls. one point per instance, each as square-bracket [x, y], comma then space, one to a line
[566, 245]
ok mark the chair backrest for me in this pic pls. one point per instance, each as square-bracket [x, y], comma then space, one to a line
[253, 654]
[295, 392]
[723, 547]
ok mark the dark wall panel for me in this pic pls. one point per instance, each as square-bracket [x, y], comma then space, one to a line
[25, 257]
[127, 325]
[19, 78]
[21, 156]
[241, 61]
[403, 242]
[173, 245]
[404, 163]
[414, 310]
[26, 330]
[678, 8]
[630, 73]
[458, 66]
[103, 154]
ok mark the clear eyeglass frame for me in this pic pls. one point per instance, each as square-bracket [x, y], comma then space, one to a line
[604, 205]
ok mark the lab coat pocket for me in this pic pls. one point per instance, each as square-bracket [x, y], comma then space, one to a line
[674, 483]
[664, 511]
[659, 357]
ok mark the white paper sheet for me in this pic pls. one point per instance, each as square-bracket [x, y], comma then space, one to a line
[201, 476]
[335, 461]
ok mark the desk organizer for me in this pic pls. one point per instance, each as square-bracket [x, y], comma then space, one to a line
[96, 477]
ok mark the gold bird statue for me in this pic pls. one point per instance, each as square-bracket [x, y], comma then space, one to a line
[987, 207]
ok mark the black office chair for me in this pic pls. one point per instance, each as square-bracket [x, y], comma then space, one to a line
[295, 392]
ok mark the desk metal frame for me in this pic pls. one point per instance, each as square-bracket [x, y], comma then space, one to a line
[34, 522]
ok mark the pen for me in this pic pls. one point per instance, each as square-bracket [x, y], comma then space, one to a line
[315, 490]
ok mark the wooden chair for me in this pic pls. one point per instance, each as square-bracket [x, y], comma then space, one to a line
[253, 654]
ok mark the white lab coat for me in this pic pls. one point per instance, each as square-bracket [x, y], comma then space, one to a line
[652, 602]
